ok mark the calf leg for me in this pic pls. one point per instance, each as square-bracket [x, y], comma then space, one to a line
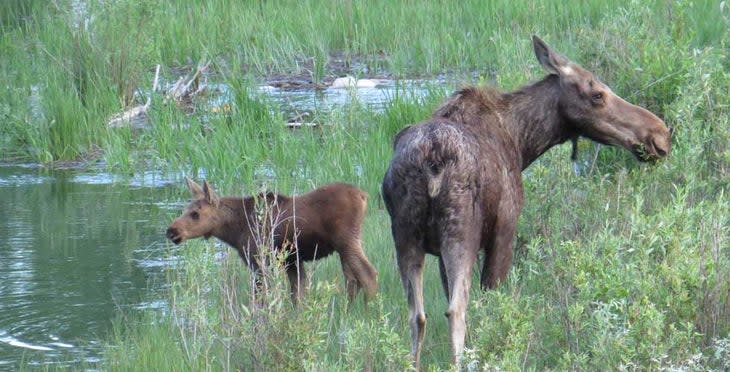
[252, 265]
[350, 278]
[297, 280]
[367, 276]
[359, 273]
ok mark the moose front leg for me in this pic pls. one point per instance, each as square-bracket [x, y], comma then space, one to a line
[498, 254]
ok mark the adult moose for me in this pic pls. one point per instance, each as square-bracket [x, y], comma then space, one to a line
[454, 185]
[310, 226]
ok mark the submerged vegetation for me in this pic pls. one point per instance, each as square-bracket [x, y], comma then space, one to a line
[621, 266]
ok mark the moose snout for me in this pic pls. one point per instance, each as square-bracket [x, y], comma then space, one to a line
[652, 148]
[658, 147]
[174, 235]
[652, 135]
[662, 143]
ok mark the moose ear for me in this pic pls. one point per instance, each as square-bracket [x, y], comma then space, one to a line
[552, 61]
[195, 189]
[210, 194]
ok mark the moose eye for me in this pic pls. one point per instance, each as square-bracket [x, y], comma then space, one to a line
[597, 97]
[194, 215]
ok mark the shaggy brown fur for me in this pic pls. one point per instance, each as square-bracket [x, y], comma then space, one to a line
[311, 226]
[454, 185]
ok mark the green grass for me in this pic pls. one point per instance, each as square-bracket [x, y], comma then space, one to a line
[86, 60]
[623, 267]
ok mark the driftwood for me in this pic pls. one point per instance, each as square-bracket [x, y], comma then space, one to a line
[297, 125]
[136, 117]
[182, 93]
[186, 88]
[299, 121]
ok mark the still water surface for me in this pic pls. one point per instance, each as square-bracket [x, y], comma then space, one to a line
[78, 250]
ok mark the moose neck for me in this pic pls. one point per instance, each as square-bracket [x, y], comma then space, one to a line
[533, 118]
[233, 221]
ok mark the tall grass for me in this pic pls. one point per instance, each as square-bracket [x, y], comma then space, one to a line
[89, 58]
[625, 266]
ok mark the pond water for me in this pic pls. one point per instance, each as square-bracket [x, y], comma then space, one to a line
[375, 97]
[78, 250]
[299, 104]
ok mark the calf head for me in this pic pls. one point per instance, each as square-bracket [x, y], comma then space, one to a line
[202, 217]
[590, 108]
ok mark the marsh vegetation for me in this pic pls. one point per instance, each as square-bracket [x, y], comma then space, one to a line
[619, 265]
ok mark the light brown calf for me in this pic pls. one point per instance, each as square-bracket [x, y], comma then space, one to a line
[308, 226]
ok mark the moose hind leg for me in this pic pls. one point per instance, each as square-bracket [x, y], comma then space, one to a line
[411, 260]
[444, 277]
[459, 279]
[460, 242]
[407, 203]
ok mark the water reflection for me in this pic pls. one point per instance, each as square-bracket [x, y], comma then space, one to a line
[73, 253]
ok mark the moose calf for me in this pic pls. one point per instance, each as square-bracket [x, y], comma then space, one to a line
[308, 226]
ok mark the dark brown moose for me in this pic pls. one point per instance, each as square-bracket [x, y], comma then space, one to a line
[454, 184]
[311, 226]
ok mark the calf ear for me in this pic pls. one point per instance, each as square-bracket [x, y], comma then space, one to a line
[552, 61]
[195, 189]
[210, 194]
